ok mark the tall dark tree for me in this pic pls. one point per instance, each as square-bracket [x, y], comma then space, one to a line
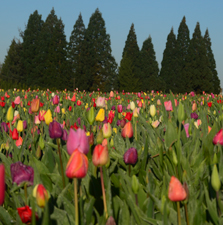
[210, 55]
[168, 64]
[101, 72]
[199, 66]
[149, 66]
[12, 68]
[132, 53]
[53, 69]
[77, 55]
[183, 42]
[31, 47]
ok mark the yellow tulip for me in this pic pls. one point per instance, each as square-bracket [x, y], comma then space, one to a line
[63, 110]
[9, 115]
[48, 117]
[152, 110]
[101, 115]
[20, 126]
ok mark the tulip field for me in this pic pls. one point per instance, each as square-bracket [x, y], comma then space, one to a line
[80, 158]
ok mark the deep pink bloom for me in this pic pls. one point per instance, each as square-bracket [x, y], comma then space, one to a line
[168, 105]
[56, 100]
[218, 138]
[77, 140]
[119, 108]
[186, 128]
[55, 130]
[2, 184]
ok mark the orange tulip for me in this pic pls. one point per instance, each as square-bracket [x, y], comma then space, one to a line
[35, 105]
[77, 165]
[127, 131]
[100, 155]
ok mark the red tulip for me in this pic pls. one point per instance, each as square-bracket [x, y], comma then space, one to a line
[15, 134]
[127, 131]
[119, 108]
[78, 102]
[131, 156]
[2, 184]
[25, 214]
[77, 165]
[128, 116]
[176, 190]
[218, 138]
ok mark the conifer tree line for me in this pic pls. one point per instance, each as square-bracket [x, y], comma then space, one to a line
[45, 59]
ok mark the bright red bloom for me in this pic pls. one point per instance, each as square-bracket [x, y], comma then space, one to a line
[13, 105]
[94, 104]
[218, 138]
[15, 134]
[41, 104]
[209, 104]
[78, 102]
[25, 214]
[2, 104]
[2, 98]
[128, 116]
[70, 108]
[127, 131]
[28, 103]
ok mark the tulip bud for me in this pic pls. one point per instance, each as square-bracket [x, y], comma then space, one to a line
[91, 116]
[35, 105]
[2, 184]
[4, 127]
[24, 124]
[41, 195]
[215, 181]
[122, 123]
[41, 142]
[175, 162]
[107, 130]
[112, 142]
[48, 117]
[101, 115]
[99, 137]
[215, 159]
[10, 114]
[152, 110]
[55, 130]
[65, 135]
[20, 126]
[119, 108]
[218, 138]
[77, 165]
[135, 184]
[127, 131]
[100, 155]
[131, 156]
[176, 191]
[91, 139]
[38, 152]
[181, 113]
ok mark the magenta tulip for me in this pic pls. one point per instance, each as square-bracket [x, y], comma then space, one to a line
[77, 140]
[2, 184]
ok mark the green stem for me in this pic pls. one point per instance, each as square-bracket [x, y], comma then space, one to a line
[103, 192]
[136, 198]
[61, 163]
[76, 202]
[178, 213]
[129, 169]
[186, 214]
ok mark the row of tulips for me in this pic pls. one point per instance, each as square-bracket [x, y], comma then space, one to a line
[110, 158]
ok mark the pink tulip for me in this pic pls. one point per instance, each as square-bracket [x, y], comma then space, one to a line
[100, 102]
[77, 140]
[119, 108]
[56, 100]
[111, 94]
[57, 109]
[168, 105]
[17, 100]
[2, 184]
[186, 128]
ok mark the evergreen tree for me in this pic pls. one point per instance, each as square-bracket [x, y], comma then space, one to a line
[149, 66]
[77, 55]
[128, 81]
[53, 68]
[31, 47]
[168, 65]
[182, 58]
[210, 55]
[132, 53]
[199, 66]
[101, 72]
[12, 68]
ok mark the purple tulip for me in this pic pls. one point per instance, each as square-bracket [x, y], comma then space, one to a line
[105, 120]
[65, 135]
[113, 107]
[55, 130]
[21, 173]
[123, 122]
[4, 127]
[131, 156]
[77, 140]
[79, 121]
[194, 115]
[118, 122]
[24, 124]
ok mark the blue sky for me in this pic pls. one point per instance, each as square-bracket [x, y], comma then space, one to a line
[150, 17]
